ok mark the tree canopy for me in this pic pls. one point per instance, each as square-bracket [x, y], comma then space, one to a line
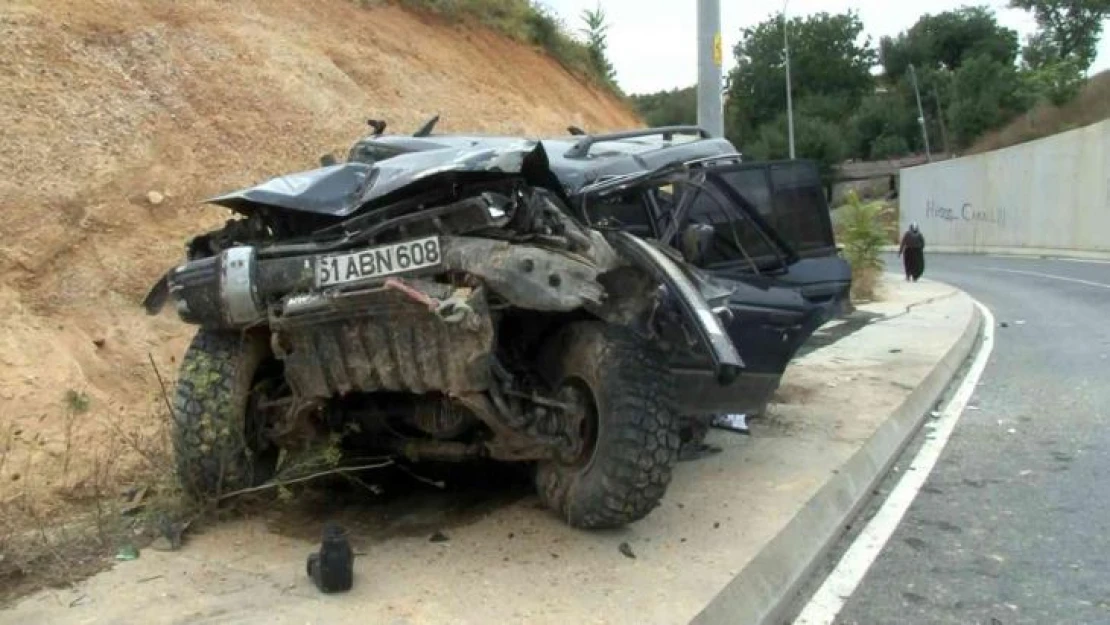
[1069, 29]
[853, 99]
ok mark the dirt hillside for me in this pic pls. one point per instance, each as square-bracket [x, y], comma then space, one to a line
[120, 115]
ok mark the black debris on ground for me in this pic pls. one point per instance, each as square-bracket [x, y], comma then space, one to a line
[332, 567]
[626, 549]
[439, 537]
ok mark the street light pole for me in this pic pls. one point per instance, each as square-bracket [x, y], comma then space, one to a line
[710, 59]
[789, 90]
[921, 114]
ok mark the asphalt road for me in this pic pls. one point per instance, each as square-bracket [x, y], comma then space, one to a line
[1013, 525]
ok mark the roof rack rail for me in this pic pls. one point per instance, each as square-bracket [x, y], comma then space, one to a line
[582, 148]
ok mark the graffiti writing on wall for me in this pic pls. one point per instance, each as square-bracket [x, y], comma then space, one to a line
[966, 212]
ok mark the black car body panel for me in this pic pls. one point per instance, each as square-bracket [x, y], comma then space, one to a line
[768, 268]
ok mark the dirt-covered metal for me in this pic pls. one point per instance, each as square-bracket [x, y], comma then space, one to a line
[452, 298]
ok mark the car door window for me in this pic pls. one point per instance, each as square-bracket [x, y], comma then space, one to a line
[801, 212]
[736, 240]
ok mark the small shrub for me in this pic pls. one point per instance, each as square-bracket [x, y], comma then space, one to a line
[863, 234]
[526, 21]
[77, 401]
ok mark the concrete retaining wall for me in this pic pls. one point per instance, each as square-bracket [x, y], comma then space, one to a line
[1050, 196]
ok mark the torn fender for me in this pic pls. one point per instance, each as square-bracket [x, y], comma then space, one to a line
[528, 276]
[696, 310]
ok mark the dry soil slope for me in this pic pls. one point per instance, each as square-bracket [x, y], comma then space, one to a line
[104, 101]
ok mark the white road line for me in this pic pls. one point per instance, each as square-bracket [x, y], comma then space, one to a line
[1048, 275]
[829, 599]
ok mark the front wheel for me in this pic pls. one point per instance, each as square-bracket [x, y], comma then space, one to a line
[620, 398]
[218, 434]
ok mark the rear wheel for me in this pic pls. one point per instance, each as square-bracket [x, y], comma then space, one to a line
[620, 399]
[219, 423]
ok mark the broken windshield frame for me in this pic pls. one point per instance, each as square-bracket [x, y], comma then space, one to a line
[680, 174]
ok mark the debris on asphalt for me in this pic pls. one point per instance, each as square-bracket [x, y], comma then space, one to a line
[127, 552]
[896, 351]
[1011, 431]
[732, 422]
[150, 579]
[626, 549]
[155, 198]
[716, 524]
[332, 567]
[440, 537]
[1019, 322]
[1003, 325]
[98, 343]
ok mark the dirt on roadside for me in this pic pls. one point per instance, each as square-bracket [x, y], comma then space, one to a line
[121, 115]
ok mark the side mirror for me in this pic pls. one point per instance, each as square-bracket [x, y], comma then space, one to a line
[328, 160]
[694, 242]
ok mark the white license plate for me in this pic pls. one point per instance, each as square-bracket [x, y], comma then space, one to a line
[378, 262]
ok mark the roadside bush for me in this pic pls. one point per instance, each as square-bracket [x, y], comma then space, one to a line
[863, 234]
[528, 22]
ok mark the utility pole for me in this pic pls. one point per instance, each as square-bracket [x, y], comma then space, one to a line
[921, 114]
[943, 126]
[710, 59]
[789, 89]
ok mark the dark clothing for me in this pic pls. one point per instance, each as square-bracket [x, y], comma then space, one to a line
[912, 251]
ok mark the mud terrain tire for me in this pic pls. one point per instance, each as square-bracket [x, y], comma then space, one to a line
[624, 474]
[211, 431]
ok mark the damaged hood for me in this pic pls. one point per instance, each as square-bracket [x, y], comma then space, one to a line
[340, 190]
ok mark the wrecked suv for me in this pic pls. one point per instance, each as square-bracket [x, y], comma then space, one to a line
[574, 303]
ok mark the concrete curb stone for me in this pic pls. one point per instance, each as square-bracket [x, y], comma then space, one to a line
[767, 586]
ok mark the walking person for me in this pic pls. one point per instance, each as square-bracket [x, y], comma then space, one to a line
[912, 252]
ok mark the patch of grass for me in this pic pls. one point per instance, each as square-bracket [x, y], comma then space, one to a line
[77, 401]
[525, 21]
[862, 228]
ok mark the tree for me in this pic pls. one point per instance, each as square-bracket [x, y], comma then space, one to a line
[815, 138]
[965, 63]
[986, 94]
[1070, 29]
[668, 108]
[883, 126]
[946, 40]
[828, 60]
[596, 33]
[1052, 80]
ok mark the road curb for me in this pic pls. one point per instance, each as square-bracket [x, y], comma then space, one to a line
[767, 586]
[1049, 253]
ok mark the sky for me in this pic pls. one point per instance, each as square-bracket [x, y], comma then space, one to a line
[653, 45]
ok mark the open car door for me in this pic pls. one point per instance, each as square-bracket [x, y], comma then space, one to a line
[757, 240]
